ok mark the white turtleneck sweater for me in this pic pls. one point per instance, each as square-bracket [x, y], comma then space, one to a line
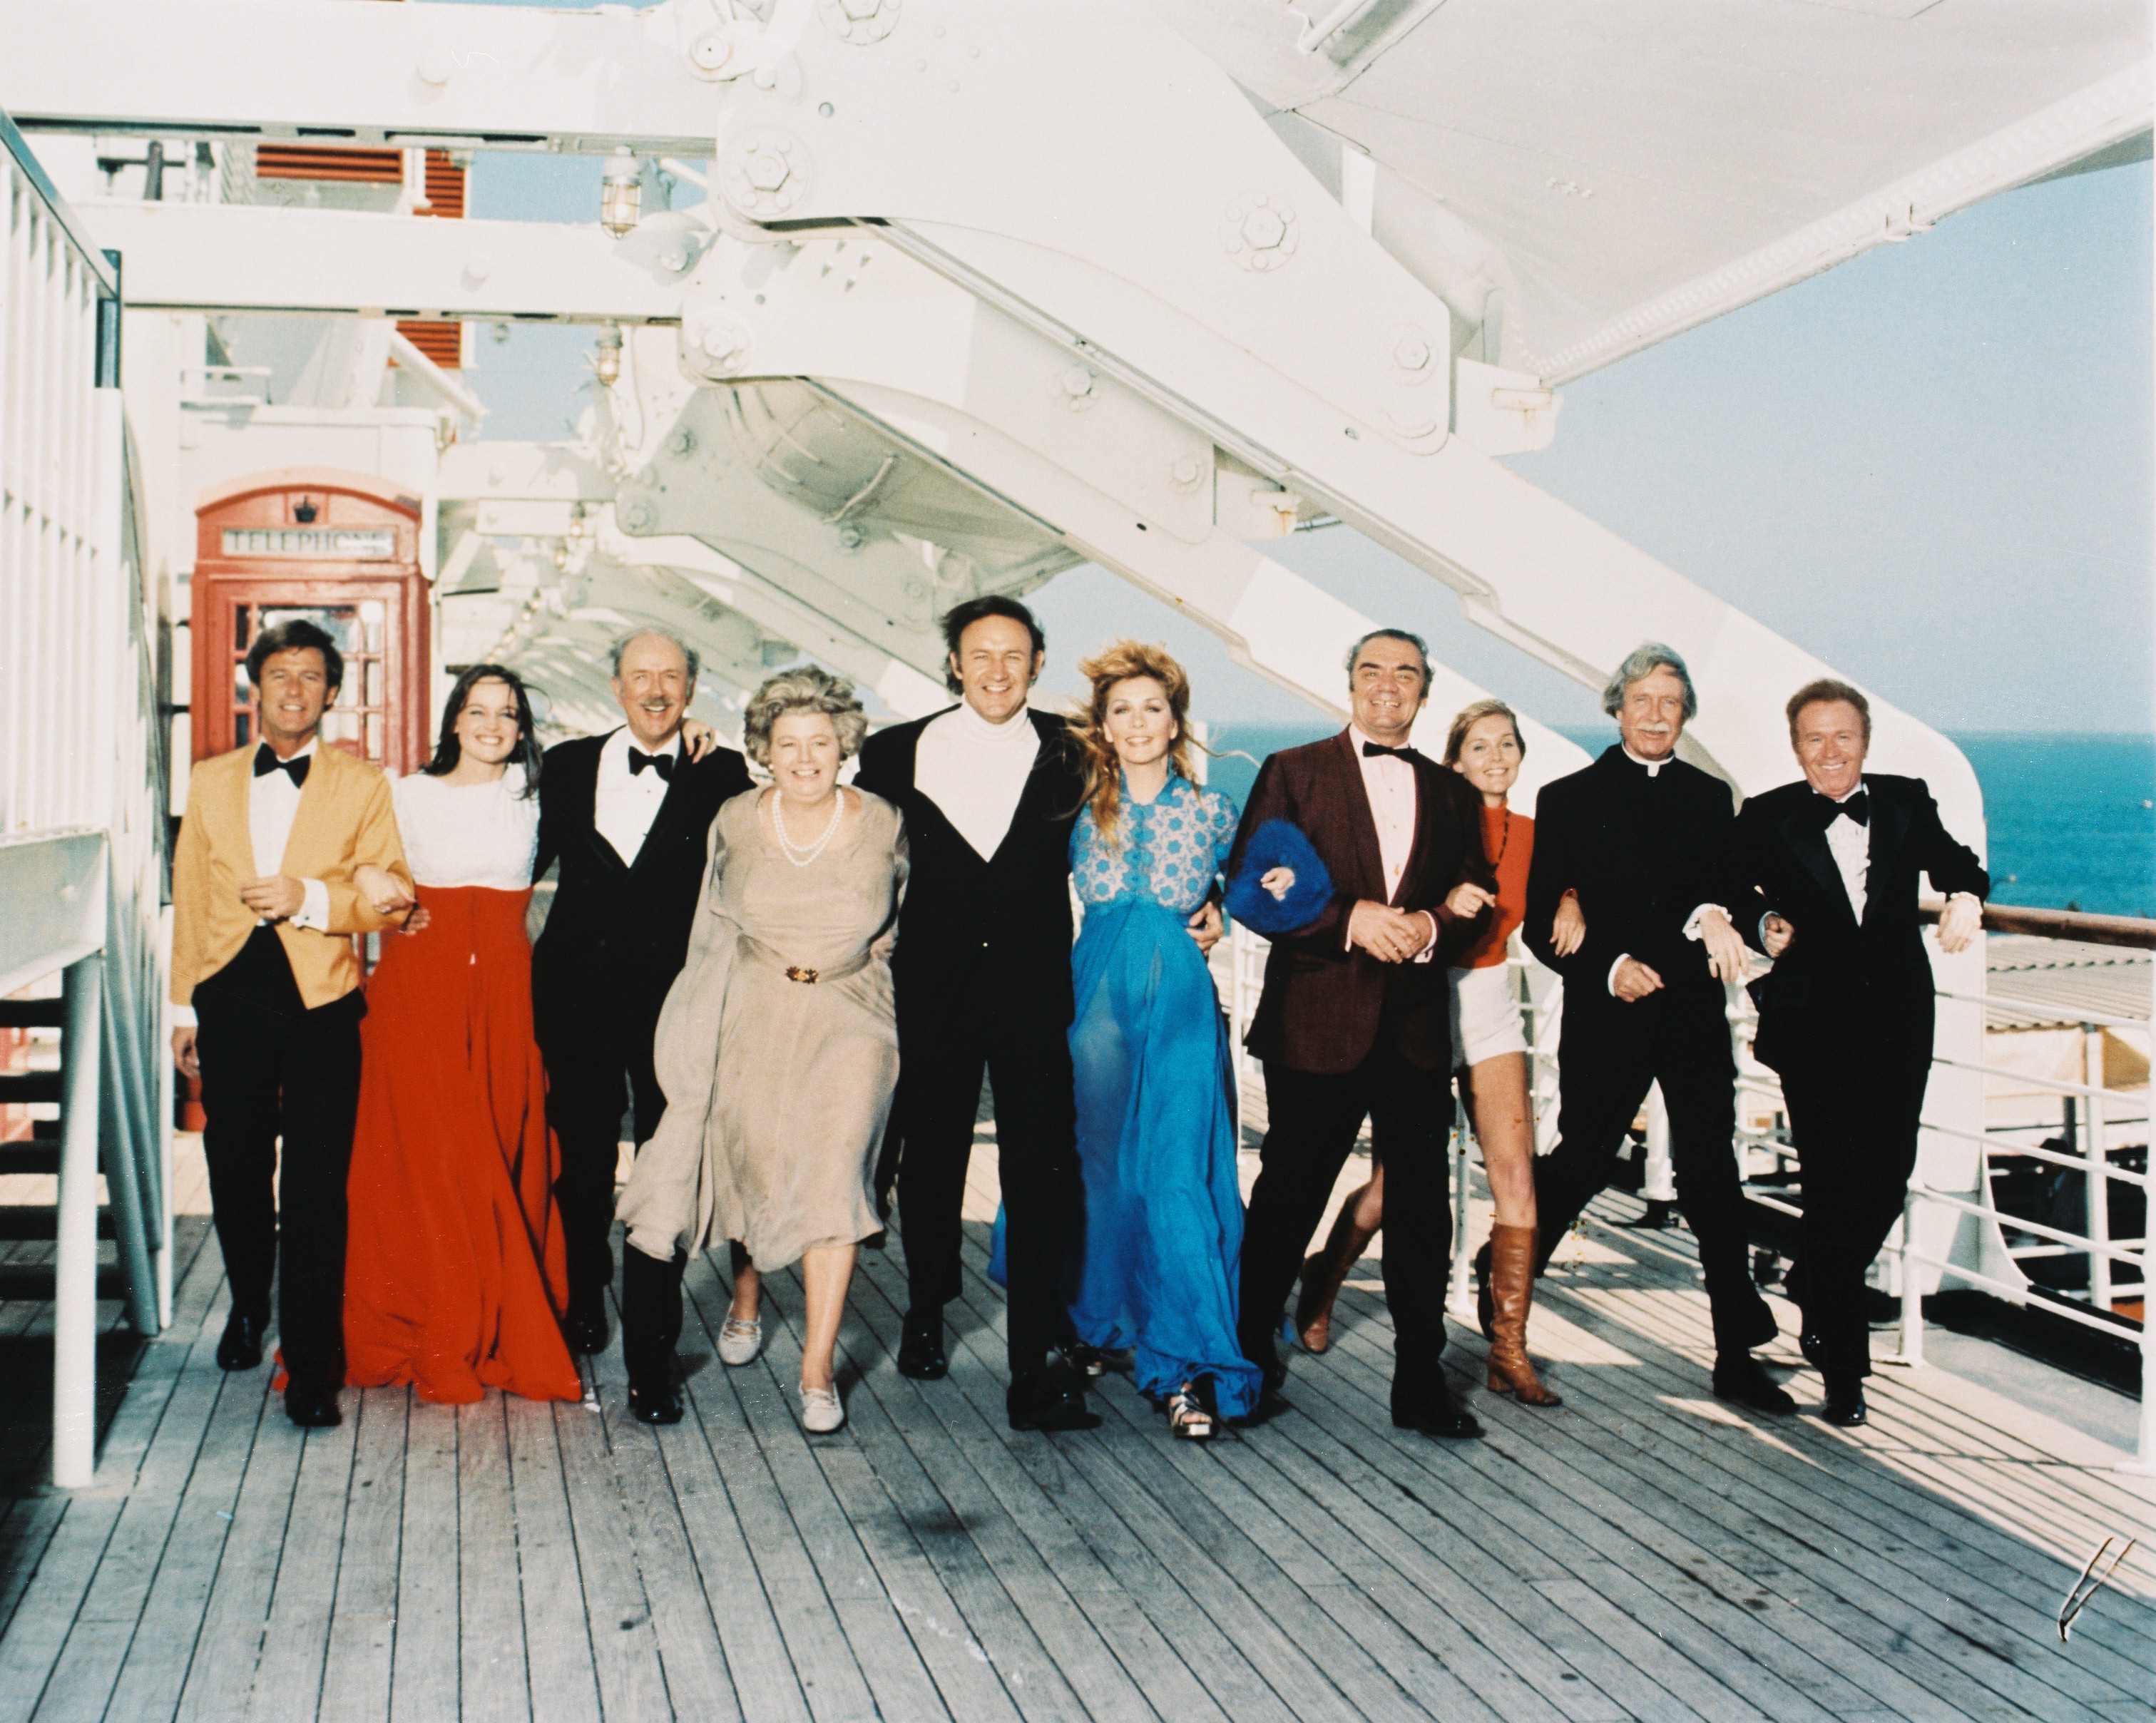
[976, 770]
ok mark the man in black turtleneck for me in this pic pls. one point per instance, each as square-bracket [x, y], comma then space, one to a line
[1641, 836]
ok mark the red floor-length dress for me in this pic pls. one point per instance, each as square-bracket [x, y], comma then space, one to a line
[454, 1275]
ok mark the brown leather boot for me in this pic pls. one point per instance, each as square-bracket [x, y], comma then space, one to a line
[1325, 1272]
[1512, 1285]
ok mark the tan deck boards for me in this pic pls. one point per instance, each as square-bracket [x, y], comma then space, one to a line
[1642, 1553]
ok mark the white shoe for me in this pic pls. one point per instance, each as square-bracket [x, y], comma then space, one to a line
[740, 1342]
[821, 1412]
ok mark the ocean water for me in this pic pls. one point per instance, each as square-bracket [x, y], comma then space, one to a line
[2072, 818]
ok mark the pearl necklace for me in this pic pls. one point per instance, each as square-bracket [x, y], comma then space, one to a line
[802, 854]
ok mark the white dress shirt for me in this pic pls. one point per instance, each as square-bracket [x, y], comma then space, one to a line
[626, 803]
[469, 834]
[1389, 785]
[273, 803]
[1851, 846]
[976, 772]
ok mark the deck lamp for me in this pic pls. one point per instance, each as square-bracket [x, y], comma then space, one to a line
[621, 197]
[606, 355]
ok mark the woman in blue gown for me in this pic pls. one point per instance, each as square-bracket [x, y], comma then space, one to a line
[1164, 1225]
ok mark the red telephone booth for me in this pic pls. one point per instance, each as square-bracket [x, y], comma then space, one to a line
[341, 550]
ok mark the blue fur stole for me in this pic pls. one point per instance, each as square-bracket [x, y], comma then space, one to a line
[1277, 843]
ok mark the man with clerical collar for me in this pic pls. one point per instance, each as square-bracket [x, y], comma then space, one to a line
[1641, 836]
[265, 996]
[1823, 878]
[989, 788]
[628, 816]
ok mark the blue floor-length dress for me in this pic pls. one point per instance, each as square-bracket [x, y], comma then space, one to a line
[1158, 1268]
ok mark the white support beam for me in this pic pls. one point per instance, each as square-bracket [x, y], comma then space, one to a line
[240, 257]
[321, 71]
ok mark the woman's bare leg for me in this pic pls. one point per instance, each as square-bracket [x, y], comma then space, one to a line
[1497, 1094]
[826, 1271]
[749, 1287]
[1497, 1098]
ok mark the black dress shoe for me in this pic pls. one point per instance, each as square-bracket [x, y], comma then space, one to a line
[586, 1331]
[1435, 1411]
[921, 1353]
[312, 1409]
[1051, 1399]
[1845, 1406]
[1743, 1380]
[241, 1345]
[655, 1402]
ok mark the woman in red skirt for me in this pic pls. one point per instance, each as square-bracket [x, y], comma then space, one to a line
[454, 1274]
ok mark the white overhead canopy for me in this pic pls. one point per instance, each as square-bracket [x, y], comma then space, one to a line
[1637, 167]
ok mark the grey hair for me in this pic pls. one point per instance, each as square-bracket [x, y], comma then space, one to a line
[804, 689]
[1420, 645]
[1646, 659]
[688, 652]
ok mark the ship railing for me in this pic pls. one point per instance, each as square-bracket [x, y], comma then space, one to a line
[2115, 1263]
[83, 796]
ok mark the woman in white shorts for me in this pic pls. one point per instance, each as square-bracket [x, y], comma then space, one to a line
[1490, 1052]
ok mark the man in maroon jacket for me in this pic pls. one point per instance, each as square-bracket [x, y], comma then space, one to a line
[1355, 1021]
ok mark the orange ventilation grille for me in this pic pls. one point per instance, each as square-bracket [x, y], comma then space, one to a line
[371, 167]
[442, 342]
[445, 186]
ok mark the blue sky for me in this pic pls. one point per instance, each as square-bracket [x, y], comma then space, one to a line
[1934, 466]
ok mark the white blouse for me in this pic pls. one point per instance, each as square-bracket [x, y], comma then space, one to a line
[468, 834]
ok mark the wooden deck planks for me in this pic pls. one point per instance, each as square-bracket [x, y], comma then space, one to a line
[1640, 1553]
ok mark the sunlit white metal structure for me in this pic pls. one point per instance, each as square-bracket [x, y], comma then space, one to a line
[81, 773]
[984, 291]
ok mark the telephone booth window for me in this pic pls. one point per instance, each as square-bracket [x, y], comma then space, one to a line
[340, 550]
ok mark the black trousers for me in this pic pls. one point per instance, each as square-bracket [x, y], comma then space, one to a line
[1610, 1055]
[1854, 1123]
[588, 1089]
[272, 1068]
[1314, 1122]
[1028, 1061]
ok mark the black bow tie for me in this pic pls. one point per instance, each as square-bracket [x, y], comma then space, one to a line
[266, 761]
[663, 764]
[1372, 750]
[1858, 807]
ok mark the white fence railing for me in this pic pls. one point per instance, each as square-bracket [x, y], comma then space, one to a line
[1762, 1133]
[83, 772]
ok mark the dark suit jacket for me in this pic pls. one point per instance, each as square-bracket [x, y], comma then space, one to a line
[616, 936]
[998, 929]
[1843, 985]
[1324, 1003]
[1642, 853]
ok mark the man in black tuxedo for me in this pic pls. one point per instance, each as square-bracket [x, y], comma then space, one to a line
[989, 790]
[1641, 836]
[1823, 878]
[628, 817]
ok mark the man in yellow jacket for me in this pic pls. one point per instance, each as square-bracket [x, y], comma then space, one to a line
[266, 987]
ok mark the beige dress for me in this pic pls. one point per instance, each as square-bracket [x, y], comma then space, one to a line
[777, 1090]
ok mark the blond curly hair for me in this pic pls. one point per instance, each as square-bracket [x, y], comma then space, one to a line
[803, 689]
[1118, 662]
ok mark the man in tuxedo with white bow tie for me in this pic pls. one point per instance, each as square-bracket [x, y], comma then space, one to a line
[628, 817]
[266, 1003]
[1823, 878]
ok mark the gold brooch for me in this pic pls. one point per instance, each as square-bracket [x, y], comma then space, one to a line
[794, 971]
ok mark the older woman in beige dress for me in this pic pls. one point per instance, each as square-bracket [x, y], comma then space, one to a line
[778, 1051]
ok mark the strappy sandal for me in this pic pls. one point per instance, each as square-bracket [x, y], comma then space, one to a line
[1087, 1360]
[740, 1341]
[1189, 1417]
